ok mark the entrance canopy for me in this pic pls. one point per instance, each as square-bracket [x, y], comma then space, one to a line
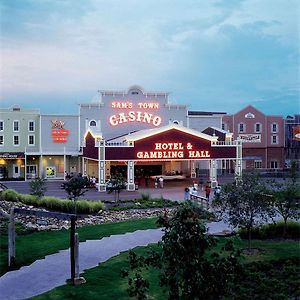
[171, 142]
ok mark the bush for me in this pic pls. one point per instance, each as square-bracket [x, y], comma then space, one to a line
[10, 195]
[273, 231]
[28, 199]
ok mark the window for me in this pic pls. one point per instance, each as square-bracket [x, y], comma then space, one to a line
[1, 140]
[257, 127]
[274, 139]
[274, 127]
[1, 125]
[31, 140]
[16, 126]
[31, 126]
[16, 140]
[241, 127]
[93, 123]
[274, 164]
[257, 164]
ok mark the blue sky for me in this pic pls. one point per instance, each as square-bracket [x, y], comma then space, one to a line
[212, 55]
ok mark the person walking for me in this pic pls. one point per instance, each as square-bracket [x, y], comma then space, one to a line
[186, 193]
[161, 182]
[207, 192]
[217, 191]
[156, 181]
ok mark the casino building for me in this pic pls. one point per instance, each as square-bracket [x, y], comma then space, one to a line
[134, 132]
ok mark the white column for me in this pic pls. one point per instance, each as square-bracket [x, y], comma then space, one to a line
[238, 163]
[25, 166]
[101, 165]
[213, 172]
[41, 175]
[130, 176]
[65, 160]
[193, 169]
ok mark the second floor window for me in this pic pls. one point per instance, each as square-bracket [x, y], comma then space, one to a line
[274, 127]
[16, 126]
[1, 125]
[31, 140]
[31, 126]
[257, 127]
[16, 140]
[1, 140]
[241, 127]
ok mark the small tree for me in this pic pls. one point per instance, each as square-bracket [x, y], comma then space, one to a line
[75, 188]
[38, 187]
[286, 197]
[116, 184]
[244, 204]
[186, 269]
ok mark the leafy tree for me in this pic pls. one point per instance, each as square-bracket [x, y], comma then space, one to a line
[187, 271]
[286, 197]
[116, 184]
[75, 188]
[38, 187]
[244, 204]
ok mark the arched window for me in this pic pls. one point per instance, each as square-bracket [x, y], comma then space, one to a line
[93, 123]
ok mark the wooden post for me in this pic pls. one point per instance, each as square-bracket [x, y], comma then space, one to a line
[76, 255]
[11, 239]
[72, 248]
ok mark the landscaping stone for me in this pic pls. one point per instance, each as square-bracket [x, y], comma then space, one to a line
[104, 216]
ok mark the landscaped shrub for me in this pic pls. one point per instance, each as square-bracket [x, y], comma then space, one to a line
[28, 199]
[53, 203]
[10, 195]
[271, 231]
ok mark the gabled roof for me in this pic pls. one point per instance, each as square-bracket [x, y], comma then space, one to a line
[150, 132]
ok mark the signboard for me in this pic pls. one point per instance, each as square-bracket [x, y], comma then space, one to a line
[296, 133]
[14, 155]
[250, 138]
[51, 172]
[59, 133]
[173, 151]
[135, 112]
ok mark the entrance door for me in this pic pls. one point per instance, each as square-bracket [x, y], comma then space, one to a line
[16, 171]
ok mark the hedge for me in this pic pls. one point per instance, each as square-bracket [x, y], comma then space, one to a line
[53, 203]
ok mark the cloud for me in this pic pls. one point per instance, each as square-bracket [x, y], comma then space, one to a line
[206, 52]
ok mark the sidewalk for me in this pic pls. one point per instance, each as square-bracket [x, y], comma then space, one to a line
[45, 274]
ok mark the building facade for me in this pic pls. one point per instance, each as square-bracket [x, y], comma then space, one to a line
[19, 131]
[262, 137]
[292, 139]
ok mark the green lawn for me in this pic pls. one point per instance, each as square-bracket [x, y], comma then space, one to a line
[104, 281]
[36, 245]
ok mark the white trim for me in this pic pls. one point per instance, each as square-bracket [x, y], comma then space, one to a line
[150, 132]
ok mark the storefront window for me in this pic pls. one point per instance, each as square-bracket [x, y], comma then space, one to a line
[274, 164]
[257, 164]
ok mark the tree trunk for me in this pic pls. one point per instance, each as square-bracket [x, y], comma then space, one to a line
[285, 228]
[249, 237]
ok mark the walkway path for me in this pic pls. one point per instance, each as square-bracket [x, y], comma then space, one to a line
[53, 271]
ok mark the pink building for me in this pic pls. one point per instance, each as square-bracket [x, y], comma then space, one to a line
[262, 136]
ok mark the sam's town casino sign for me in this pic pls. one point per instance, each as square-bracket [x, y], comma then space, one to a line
[135, 112]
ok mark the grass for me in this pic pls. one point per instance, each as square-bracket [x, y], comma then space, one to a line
[105, 282]
[36, 245]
